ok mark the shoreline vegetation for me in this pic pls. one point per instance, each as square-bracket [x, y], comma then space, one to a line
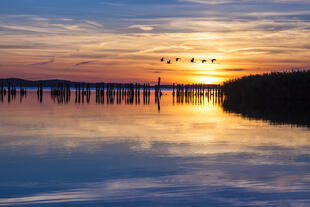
[278, 97]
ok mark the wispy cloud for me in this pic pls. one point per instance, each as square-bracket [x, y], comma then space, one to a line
[39, 19]
[65, 19]
[232, 69]
[52, 60]
[84, 63]
[141, 27]
[207, 2]
[96, 24]
[51, 25]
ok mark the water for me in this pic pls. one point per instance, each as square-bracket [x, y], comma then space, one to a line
[137, 155]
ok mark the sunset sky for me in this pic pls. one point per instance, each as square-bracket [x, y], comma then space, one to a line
[123, 41]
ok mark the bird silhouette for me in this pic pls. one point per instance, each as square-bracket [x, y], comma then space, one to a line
[204, 61]
[168, 61]
[193, 60]
[213, 60]
[162, 59]
[177, 59]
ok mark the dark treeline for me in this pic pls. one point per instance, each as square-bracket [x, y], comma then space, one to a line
[34, 84]
[282, 98]
[282, 86]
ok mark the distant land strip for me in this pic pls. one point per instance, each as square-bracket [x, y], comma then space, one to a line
[51, 83]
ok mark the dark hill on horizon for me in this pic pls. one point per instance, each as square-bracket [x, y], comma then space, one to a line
[53, 82]
[28, 83]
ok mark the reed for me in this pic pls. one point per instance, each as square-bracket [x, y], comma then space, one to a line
[281, 98]
[277, 86]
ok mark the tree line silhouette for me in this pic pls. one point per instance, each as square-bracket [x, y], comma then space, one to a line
[279, 97]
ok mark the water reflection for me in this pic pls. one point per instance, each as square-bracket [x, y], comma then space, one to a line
[296, 113]
[189, 154]
[118, 95]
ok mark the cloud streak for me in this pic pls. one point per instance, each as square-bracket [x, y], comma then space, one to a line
[44, 62]
[141, 27]
[84, 63]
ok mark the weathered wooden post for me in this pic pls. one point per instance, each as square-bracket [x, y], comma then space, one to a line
[159, 91]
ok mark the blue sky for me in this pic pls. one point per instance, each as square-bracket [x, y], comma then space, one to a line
[246, 35]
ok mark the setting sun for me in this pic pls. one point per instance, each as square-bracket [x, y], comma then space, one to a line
[209, 80]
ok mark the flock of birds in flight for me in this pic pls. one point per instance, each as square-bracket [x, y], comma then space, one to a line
[192, 60]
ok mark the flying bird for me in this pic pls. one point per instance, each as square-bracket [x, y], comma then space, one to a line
[162, 59]
[204, 61]
[177, 59]
[168, 61]
[213, 60]
[193, 60]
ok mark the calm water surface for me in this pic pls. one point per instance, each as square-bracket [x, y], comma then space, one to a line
[135, 155]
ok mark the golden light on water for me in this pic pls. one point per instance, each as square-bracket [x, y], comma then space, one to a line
[202, 126]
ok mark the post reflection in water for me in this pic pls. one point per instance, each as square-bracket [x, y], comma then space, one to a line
[113, 150]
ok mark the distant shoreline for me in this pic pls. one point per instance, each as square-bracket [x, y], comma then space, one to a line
[17, 82]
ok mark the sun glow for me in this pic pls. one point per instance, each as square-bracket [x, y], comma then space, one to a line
[209, 80]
